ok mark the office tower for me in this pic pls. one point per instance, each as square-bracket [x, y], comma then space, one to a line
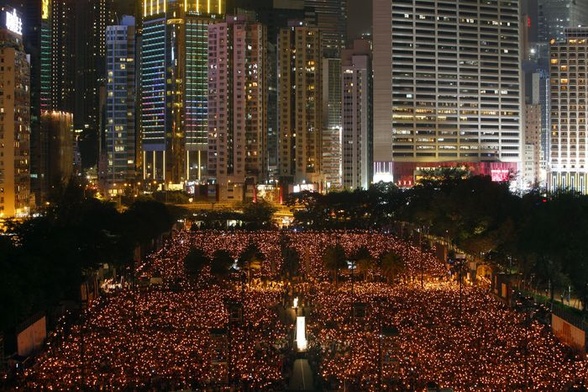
[48, 33]
[120, 134]
[568, 164]
[90, 22]
[532, 172]
[67, 73]
[330, 16]
[299, 106]
[331, 133]
[14, 118]
[442, 101]
[357, 115]
[556, 15]
[174, 88]
[237, 105]
[58, 126]
[32, 26]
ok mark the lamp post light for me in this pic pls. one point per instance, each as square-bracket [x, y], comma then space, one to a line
[460, 261]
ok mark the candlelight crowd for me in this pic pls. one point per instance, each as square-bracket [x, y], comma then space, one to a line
[364, 334]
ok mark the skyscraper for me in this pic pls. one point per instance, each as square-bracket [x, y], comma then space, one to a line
[331, 132]
[237, 102]
[569, 141]
[447, 87]
[120, 126]
[556, 15]
[174, 88]
[14, 118]
[330, 16]
[274, 14]
[357, 116]
[299, 105]
[90, 22]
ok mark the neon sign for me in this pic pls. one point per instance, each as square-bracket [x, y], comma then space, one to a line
[13, 22]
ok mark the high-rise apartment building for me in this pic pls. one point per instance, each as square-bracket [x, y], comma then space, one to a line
[357, 116]
[568, 165]
[274, 14]
[120, 125]
[331, 143]
[174, 88]
[237, 104]
[447, 87]
[299, 105]
[14, 118]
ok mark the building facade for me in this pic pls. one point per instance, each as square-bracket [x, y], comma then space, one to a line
[174, 88]
[237, 103]
[357, 116]
[331, 138]
[568, 166]
[533, 175]
[120, 125]
[60, 152]
[442, 101]
[330, 17]
[15, 198]
[557, 15]
[299, 106]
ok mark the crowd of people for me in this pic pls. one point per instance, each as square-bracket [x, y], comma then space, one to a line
[364, 336]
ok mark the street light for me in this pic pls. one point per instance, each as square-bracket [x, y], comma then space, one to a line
[460, 261]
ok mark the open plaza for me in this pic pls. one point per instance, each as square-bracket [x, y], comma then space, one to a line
[418, 331]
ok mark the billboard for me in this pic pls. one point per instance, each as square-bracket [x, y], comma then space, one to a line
[32, 337]
[568, 334]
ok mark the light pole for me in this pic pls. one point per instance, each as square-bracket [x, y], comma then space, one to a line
[460, 263]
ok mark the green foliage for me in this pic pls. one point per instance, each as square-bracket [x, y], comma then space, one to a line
[363, 260]
[291, 262]
[195, 261]
[358, 209]
[392, 265]
[44, 262]
[334, 259]
[221, 262]
[258, 215]
[146, 220]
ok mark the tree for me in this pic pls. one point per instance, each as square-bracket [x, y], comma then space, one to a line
[258, 215]
[221, 263]
[291, 262]
[363, 259]
[146, 220]
[392, 265]
[334, 259]
[250, 258]
[195, 261]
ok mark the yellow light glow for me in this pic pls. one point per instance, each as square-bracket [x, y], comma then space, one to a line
[301, 342]
[45, 9]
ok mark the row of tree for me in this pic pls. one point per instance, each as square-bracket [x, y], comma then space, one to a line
[358, 265]
[542, 236]
[44, 260]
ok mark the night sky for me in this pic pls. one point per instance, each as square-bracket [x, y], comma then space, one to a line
[359, 15]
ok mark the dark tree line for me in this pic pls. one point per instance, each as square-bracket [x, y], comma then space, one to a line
[45, 259]
[544, 237]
